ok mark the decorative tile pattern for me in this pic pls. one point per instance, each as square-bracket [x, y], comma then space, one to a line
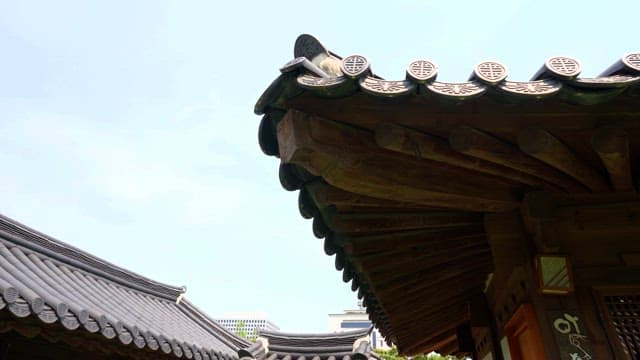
[535, 88]
[314, 82]
[386, 87]
[422, 71]
[563, 66]
[457, 90]
[491, 72]
[355, 66]
[632, 61]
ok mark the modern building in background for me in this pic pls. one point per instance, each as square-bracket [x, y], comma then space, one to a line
[353, 320]
[248, 322]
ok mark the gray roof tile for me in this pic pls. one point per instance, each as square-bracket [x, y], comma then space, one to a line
[55, 282]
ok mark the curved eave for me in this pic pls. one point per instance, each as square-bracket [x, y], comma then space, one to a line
[58, 284]
[558, 85]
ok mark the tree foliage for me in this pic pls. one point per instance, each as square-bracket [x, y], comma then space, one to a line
[392, 354]
[241, 330]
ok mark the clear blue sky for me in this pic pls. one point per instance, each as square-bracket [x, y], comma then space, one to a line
[127, 127]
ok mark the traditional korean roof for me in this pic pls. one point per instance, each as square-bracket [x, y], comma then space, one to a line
[399, 176]
[43, 278]
[321, 72]
[274, 345]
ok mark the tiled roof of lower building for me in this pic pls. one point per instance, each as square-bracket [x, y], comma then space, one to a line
[275, 345]
[46, 279]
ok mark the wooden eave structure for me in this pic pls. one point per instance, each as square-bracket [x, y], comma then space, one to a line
[57, 301]
[400, 176]
[277, 345]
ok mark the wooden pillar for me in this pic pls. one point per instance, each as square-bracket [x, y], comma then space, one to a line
[568, 322]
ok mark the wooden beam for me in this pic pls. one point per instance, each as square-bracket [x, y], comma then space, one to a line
[424, 321]
[379, 222]
[414, 294]
[414, 320]
[478, 144]
[396, 241]
[420, 301]
[547, 148]
[425, 146]
[429, 113]
[434, 341]
[612, 145]
[382, 259]
[396, 260]
[347, 158]
[440, 333]
[601, 219]
[326, 195]
[425, 277]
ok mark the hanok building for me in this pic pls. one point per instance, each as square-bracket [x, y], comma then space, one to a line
[493, 218]
[58, 302]
[272, 345]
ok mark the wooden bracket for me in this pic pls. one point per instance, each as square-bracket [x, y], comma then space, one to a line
[538, 215]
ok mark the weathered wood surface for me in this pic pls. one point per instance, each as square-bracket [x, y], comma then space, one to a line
[384, 162]
[424, 278]
[542, 145]
[382, 260]
[463, 251]
[605, 218]
[440, 341]
[349, 159]
[325, 194]
[612, 145]
[421, 145]
[439, 118]
[378, 222]
[479, 144]
[405, 240]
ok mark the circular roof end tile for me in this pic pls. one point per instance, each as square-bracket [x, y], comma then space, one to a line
[632, 61]
[563, 67]
[355, 66]
[490, 72]
[422, 71]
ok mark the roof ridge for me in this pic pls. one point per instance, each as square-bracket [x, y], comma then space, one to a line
[20, 234]
[220, 332]
[341, 334]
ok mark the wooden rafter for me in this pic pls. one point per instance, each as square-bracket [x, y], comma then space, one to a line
[479, 144]
[357, 245]
[349, 159]
[425, 146]
[547, 148]
[376, 222]
[325, 194]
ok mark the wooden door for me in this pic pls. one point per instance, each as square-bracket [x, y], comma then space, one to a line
[523, 334]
